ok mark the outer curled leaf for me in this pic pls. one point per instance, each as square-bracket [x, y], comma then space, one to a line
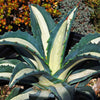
[21, 39]
[58, 41]
[32, 93]
[93, 38]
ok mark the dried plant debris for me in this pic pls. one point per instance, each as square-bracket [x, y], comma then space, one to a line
[95, 84]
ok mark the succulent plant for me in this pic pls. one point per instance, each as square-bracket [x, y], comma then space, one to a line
[42, 56]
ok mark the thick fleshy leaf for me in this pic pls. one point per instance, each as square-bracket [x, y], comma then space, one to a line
[42, 24]
[47, 80]
[62, 91]
[32, 63]
[83, 71]
[88, 52]
[39, 62]
[21, 39]
[34, 94]
[93, 38]
[5, 72]
[61, 74]
[86, 93]
[58, 40]
[83, 75]
[6, 68]
[21, 71]
[10, 62]
[93, 51]
[26, 44]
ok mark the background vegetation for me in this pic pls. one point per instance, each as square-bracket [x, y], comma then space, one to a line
[14, 14]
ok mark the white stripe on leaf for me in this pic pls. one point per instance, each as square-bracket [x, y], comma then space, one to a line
[62, 91]
[64, 73]
[24, 96]
[7, 64]
[20, 41]
[70, 17]
[96, 54]
[57, 48]
[5, 74]
[45, 82]
[20, 74]
[80, 74]
[39, 64]
[96, 41]
[43, 26]
[58, 44]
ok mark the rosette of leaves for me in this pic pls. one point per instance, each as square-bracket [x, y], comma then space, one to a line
[43, 57]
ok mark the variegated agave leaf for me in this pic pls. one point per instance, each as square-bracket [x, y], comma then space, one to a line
[42, 24]
[23, 39]
[6, 68]
[31, 93]
[58, 41]
[88, 52]
[61, 91]
[26, 45]
[93, 38]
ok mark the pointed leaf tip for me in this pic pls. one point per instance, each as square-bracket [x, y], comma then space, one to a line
[78, 4]
[67, 18]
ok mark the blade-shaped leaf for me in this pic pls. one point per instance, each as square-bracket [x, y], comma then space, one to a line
[20, 72]
[5, 72]
[39, 62]
[58, 41]
[48, 80]
[62, 91]
[61, 74]
[21, 39]
[83, 74]
[34, 94]
[27, 44]
[86, 93]
[94, 51]
[42, 23]
[83, 71]
[93, 38]
[6, 68]
[88, 52]
[30, 62]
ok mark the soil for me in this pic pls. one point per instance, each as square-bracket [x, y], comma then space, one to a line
[5, 90]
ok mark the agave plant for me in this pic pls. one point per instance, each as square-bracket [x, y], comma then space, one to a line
[43, 57]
